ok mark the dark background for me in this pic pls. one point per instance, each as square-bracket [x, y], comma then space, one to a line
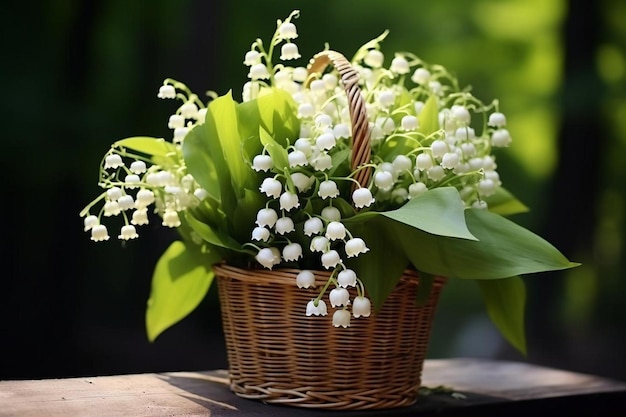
[78, 75]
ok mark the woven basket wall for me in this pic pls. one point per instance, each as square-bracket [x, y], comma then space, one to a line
[278, 355]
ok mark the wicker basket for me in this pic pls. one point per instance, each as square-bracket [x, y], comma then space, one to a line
[279, 355]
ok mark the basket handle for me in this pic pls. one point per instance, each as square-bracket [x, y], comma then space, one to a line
[361, 151]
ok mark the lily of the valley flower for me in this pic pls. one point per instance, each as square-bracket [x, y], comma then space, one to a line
[316, 308]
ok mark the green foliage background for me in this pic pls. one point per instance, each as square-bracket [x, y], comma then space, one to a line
[80, 75]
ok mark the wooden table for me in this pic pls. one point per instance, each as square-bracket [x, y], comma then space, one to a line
[487, 387]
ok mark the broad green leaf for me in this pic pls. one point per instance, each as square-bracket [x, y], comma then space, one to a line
[438, 211]
[147, 145]
[385, 259]
[224, 124]
[503, 249]
[504, 203]
[429, 117]
[276, 112]
[200, 162]
[505, 300]
[276, 151]
[213, 236]
[181, 279]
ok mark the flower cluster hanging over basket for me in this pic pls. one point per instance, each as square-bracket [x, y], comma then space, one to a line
[359, 171]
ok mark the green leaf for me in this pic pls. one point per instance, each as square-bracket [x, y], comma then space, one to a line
[384, 259]
[213, 236]
[181, 279]
[429, 117]
[504, 249]
[200, 162]
[505, 301]
[504, 203]
[278, 153]
[147, 145]
[438, 211]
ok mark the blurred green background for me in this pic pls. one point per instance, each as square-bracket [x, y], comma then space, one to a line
[78, 75]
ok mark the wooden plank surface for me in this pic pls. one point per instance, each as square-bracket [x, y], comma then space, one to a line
[483, 382]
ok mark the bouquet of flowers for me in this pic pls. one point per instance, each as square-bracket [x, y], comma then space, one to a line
[269, 182]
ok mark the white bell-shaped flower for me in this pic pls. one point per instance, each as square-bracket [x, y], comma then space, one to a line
[346, 278]
[330, 259]
[287, 30]
[251, 58]
[111, 208]
[306, 110]
[420, 76]
[176, 120]
[497, 119]
[271, 187]
[374, 58]
[304, 145]
[319, 244]
[400, 65]
[267, 257]
[486, 187]
[386, 98]
[170, 218]
[302, 181]
[138, 167]
[113, 161]
[322, 162]
[189, 110]
[361, 306]
[90, 222]
[326, 141]
[461, 114]
[261, 234]
[313, 226]
[480, 205]
[132, 181]
[339, 297]
[341, 318]
[409, 123]
[332, 214]
[200, 193]
[144, 198]
[289, 201]
[292, 252]
[167, 91]
[417, 189]
[468, 149]
[323, 121]
[262, 163]
[128, 232]
[296, 158]
[289, 51]
[355, 247]
[501, 138]
[126, 202]
[284, 225]
[423, 161]
[99, 233]
[436, 173]
[300, 74]
[319, 309]
[258, 72]
[342, 130]
[383, 180]
[140, 217]
[362, 197]
[305, 279]
[450, 160]
[439, 148]
[328, 189]
[335, 230]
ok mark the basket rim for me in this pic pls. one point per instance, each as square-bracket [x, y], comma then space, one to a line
[286, 276]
